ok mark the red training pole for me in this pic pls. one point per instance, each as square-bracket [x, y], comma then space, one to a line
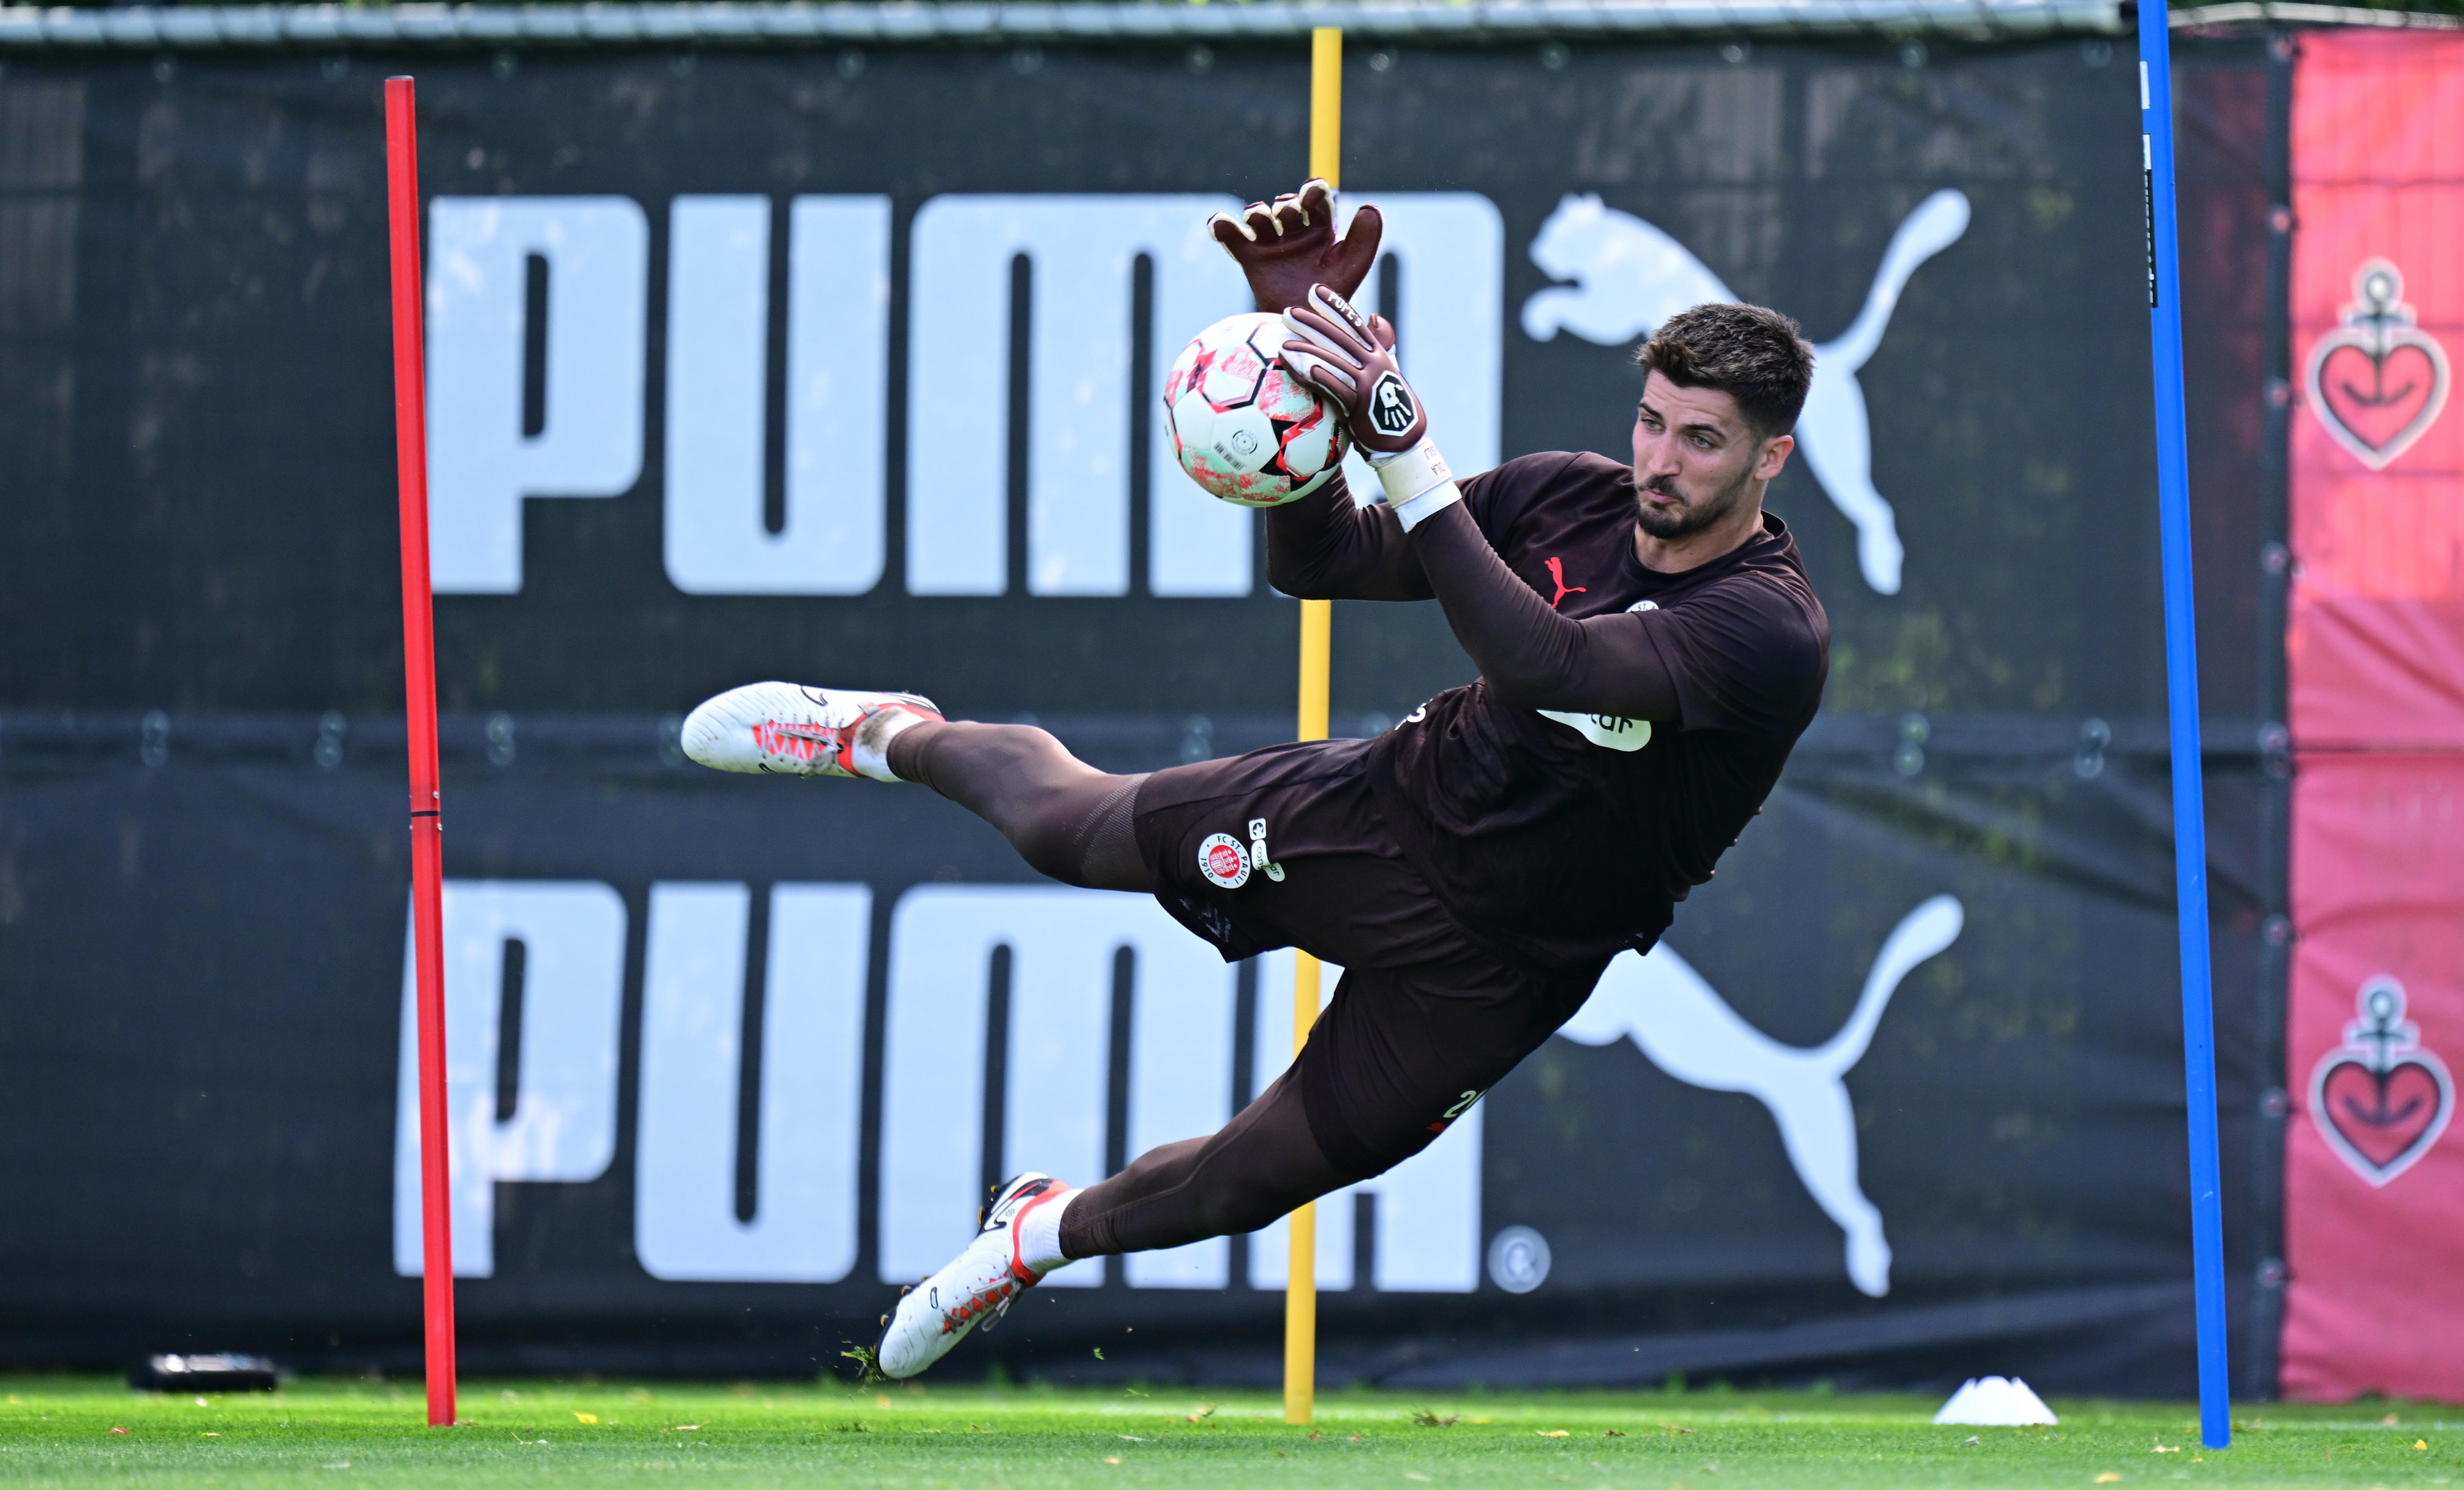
[419, 691]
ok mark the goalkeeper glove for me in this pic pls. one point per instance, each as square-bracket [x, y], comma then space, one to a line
[1351, 359]
[1286, 246]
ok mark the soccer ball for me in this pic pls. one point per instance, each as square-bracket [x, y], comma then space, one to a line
[1242, 425]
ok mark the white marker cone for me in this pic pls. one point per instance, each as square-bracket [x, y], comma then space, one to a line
[1994, 1402]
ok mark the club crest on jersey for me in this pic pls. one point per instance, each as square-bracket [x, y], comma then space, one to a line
[1224, 860]
[1390, 404]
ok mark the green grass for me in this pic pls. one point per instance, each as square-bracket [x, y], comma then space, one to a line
[338, 1435]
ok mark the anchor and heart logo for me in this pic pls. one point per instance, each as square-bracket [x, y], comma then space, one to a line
[2378, 381]
[2380, 1099]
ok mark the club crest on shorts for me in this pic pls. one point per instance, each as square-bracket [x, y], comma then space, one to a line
[2379, 1098]
[1224, 860]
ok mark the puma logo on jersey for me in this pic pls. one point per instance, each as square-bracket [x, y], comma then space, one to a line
[1557, 574]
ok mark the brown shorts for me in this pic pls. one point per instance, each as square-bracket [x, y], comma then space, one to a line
[1425, 1017]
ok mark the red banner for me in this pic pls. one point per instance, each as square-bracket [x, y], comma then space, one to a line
[2374, 1197]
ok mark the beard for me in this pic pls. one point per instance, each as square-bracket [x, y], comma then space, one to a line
[1692, 515]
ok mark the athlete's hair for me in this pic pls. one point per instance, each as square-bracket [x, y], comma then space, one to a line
[1753, 354]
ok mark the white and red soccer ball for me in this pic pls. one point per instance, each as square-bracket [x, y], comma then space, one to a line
[1241, 424]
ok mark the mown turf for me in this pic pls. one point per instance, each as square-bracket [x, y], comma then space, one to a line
[337, 1435]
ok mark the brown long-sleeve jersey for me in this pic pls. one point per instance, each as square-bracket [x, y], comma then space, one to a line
[1627, 724]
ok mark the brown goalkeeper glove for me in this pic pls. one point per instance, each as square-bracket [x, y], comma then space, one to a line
[1351, 359]
[1287, 245]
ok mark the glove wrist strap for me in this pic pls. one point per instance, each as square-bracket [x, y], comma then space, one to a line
[1419, 484]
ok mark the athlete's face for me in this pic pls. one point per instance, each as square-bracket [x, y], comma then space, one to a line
[1696, 459]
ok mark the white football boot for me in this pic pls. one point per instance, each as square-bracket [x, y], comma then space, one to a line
[791, 730]
[977, 1286]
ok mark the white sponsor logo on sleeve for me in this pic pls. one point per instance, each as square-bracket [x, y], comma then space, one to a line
[1608, 731]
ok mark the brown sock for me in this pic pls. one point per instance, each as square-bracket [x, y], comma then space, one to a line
[905, 754]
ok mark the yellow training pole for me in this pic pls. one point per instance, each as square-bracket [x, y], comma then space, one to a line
[1317, 637]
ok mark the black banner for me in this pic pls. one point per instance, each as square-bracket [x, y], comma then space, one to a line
[838, 366]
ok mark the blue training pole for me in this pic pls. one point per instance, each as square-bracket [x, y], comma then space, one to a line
[2181, 677]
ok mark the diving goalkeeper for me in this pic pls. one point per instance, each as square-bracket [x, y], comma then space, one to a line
[1649, 650]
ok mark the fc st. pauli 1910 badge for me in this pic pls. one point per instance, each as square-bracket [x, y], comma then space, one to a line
[2379, 1098]
[1225, 863]
[2378, 381]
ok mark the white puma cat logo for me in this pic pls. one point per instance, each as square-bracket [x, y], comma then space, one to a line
[1630, 277]
[1689, 1032]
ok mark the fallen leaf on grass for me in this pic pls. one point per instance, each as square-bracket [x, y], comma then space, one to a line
[1205, 1411]
[1423, 1418]
[2420, 1443]
[1131, 1438]
[1673, 1428]
[689, 1428]
[2387, 1421]
[1313, 1435]
[1970, 1439]
[123, 1431]
[1551, 1433]
[209, 1436]
[2162, 1448]
[1114, 1460]
[2108, 1477]
[1422, 1479]
[585, 1418]
[1480, 1420]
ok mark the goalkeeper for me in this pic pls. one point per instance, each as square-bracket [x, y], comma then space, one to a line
[1649, 650]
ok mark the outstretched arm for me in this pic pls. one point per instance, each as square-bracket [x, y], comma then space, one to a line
[1322, 548]
[1530, 656]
